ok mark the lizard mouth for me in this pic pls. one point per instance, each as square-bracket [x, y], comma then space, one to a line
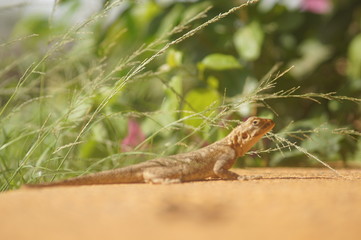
[267, 126]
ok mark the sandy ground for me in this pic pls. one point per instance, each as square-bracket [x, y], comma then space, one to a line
[287, 204]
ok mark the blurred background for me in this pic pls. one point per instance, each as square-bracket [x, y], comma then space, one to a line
[72, 99]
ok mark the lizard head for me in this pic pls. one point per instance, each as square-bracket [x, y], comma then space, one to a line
[247, 134]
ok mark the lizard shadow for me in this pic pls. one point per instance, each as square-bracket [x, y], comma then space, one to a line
[274, 178]
[295, 178]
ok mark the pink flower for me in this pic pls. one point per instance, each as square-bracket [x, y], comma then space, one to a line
[316, 6]
[134, 138]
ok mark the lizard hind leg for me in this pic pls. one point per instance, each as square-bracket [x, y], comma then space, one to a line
[161, 176]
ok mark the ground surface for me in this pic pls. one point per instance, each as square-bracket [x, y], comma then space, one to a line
[288, 204]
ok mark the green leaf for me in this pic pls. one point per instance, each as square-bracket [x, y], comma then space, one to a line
[194, 9]
[170, 20]
[87, 149]
[168, 110]
[354, 57]
[144, 13]
[212, 82]
[325, 143]
[174, 58]
[313, 54]
[220, 62]
[248, 41]
[199, 101]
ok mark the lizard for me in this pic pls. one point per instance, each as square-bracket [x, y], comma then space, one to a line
[212, 161]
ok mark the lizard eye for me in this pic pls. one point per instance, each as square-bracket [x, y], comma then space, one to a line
[255, 122]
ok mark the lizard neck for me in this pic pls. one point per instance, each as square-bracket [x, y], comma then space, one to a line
[238, 148]
[241, 142]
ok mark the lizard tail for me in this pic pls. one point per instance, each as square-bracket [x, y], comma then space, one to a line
[121, 175]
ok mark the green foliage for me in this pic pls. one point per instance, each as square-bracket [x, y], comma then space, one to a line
[219, 62]
[180, 74]
[354, 56]
[248, 41]
[199, 101]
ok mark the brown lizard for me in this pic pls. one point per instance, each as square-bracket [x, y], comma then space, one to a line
[212, 161]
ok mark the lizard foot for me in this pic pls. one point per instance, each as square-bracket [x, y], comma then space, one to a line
[247, 178]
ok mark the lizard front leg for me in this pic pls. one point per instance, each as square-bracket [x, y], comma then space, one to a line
[221, 170]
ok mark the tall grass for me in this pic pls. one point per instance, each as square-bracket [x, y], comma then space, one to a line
[58, 118]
